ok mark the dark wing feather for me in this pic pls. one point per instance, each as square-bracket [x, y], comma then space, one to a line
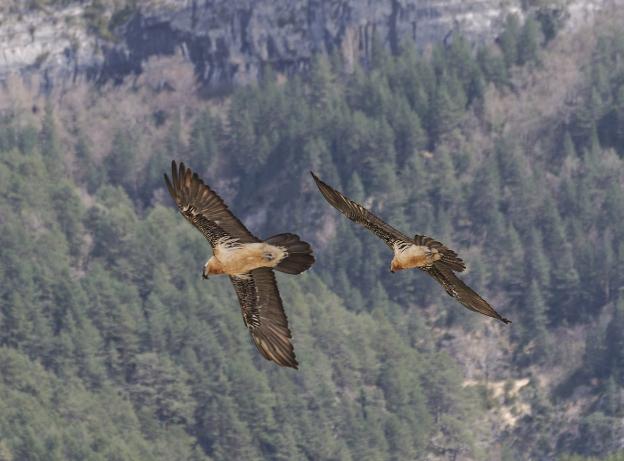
[462, 292]
[263, 315]
[203, 207]
[356, 212]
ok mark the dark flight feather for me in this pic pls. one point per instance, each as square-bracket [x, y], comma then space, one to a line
[203, 207]
[264, 317]
[357, 213]
[456, 288]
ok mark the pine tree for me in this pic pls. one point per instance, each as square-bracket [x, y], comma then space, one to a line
[50, 142]
[447, 109]
[446, 191]
[536, 328]
[552, 226]
[508, 40]
[460, 61]
[615, 343]
[528, 42]
[565, 285]
[89, 171]
[485, 192]
[161, 387]
[408, 132]
[121, 162]
[586, 116]
[569, 151]
[493, 66]
[379, 55]
[514, 271]
[612, 400]
[596, 359]
[204, 145]
[536, 261]
[27, 141]
[242, 134]
[321, 83]
[69, 211]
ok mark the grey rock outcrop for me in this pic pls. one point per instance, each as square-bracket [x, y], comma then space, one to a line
[54, 44]
[231, 41]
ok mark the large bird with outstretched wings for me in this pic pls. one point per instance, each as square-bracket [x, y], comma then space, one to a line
[247, 260]
[419, 252]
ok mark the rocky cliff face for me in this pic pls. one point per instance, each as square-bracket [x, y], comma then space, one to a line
[54, 43]
[230, 41]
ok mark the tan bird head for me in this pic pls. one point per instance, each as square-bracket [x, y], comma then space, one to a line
[394, 266]
[212, 267]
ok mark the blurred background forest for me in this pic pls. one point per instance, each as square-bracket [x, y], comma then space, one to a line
[112, 347]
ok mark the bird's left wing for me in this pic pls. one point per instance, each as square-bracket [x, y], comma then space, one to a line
[263, 315]
[462, 292]
[203, 207]
[357, 213]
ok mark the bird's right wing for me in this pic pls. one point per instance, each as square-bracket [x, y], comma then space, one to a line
[204, 208]
[263, 315]
[357, 213]
[462, 292]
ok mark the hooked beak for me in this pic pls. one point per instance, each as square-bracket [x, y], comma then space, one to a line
[204, 276]
[391, 271]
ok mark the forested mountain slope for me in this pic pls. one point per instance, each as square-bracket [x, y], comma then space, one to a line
[113, 347]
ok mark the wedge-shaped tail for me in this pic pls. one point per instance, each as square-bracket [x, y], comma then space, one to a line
[449, 260]
[299, 256]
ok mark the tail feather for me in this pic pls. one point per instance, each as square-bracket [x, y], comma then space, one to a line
[299, 253]
[452, 261]
[449, 259]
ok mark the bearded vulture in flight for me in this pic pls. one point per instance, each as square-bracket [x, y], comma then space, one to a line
[248, 261]
[422, 252]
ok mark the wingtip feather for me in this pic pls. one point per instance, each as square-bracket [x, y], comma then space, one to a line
[170, 187]
[174, 174]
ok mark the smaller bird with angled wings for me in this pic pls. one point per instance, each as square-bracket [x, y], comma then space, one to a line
[247, 260]
[420, 252]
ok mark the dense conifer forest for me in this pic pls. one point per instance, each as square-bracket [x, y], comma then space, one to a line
[112, 347]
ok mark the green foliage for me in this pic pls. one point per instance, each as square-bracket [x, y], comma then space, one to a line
[50, 144]
[114, 348]
[509, 40]
[121, 163]
[536, 322]
[529, 41]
